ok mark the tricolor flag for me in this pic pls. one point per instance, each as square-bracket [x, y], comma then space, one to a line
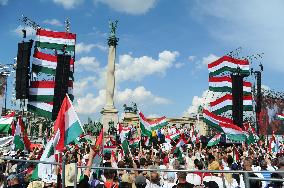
[5, 122]
[225, 103]
[123, 134]
[68, 123]
[40, 108]
[46, 63]
[148, 126]
[224, 84]
[21, 140]
[228, 64]
[55, 40]
[43, 91]
[48, 155]
[225, 125]
[215, 140]
[172, 137]
[280, 117]
[135, 142]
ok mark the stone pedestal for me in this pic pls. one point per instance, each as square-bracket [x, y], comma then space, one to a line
[130, 118]
[107, 116]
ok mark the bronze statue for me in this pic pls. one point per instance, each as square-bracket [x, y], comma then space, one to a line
[112, 39]
[132, 108]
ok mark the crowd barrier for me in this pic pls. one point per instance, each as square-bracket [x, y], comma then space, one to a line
[246, 177]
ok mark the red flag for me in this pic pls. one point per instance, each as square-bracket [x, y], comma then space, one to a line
[13, 127]
[25, 136]
[99, 142]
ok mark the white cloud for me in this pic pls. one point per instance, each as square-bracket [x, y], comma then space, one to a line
[88, 64]
[85, 48]
[191, 58]
[179, 65]
[81, 86]
[129, 6]
[53, 22]
[90, 104]
[68, 4]
[204, 101]
[140, 95]
[29, 31]
[209, 59]
[3, 2]
[255, 25]
[130, 68]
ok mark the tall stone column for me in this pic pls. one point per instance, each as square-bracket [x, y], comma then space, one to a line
[109, 112]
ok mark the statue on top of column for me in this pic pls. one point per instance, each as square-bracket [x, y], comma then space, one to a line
[112, 39]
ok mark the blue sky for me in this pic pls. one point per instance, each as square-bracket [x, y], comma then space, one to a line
[163, 50]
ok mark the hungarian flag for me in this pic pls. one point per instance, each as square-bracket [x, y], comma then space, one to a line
[172, 137]
[225, 125]
[215, 140]
[123, 134]
[225, 103]
[48, 155]
[224, 84]
[21, 140]
[148, 126]
[280, 117]
[46, 63]
[228, 64]
[135, 142]
[55, 40]
[5, 122]
[43, 91]
[68, 124]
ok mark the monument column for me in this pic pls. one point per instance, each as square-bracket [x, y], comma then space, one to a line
[109, 113]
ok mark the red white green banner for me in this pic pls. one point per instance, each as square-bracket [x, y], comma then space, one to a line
[43, 91]
[46, 63]
[55, 40]
[172, 137]
[228, 64]
[224, 84]
[280, 117]
[5, 122]
[215, 140]
[225, 103]
[68, 123]
[40, 108]
[147, 126]
[225, 125]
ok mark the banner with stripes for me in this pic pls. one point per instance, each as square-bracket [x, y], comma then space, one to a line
[40, 108]
[224, 84]
[225, 103]
[55, 40]
[43, 91]
[228, 64]
[46, 63]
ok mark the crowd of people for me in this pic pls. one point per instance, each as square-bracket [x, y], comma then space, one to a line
[159, 156]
